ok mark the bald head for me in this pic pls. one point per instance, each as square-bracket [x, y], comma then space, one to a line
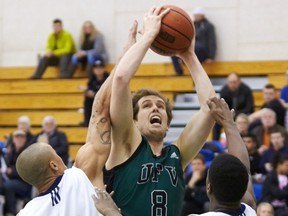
[33, 163]
[233, 82]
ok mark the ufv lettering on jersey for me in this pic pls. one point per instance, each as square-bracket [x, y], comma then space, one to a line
[151, 172]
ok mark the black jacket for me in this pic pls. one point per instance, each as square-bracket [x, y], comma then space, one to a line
[205, 37]
[271, 189]
[244, 99]
[58, 141]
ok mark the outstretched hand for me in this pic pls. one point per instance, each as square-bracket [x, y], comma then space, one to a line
[105, 204]
[152, 20]
[220, 111]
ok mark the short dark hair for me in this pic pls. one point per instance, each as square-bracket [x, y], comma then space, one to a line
[57, 21]
[146, 92]
[276, 130]
[251, 136]
[278, 158]
[228, 178]
[269, 86]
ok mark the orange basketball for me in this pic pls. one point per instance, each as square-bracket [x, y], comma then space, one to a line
[176, 32]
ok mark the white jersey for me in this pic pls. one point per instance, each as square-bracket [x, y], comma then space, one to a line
[70, 195]
[245, 210]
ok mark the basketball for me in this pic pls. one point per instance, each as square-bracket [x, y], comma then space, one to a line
[176, 32]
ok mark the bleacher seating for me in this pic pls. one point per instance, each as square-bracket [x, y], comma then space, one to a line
[64, 99]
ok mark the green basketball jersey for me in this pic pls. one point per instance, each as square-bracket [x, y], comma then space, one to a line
[148, 185]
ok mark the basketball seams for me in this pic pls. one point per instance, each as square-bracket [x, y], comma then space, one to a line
[177, 31]
[183, 13]
[177, 49]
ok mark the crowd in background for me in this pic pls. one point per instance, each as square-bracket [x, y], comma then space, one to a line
[264, 131]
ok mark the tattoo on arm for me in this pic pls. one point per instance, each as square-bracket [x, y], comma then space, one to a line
[103, 127]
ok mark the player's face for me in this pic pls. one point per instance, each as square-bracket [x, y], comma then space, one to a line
[152, 116]
[58, 161]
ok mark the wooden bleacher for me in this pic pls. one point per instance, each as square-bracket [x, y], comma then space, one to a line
[63, 98]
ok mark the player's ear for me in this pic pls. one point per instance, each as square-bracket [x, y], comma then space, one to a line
[54, 166]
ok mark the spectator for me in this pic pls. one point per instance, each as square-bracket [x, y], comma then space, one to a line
[278, 146]
[275, 187]
[95, 82]
[51, 135]
[262, 132]
[91, 46]
[59, 49]
[284, 97]
[195, 193]
[238, 97]
[205, 44]
[270, 101]
[23, 124]
[14, 187]
[251, 145]
[265, 209]
[242, 123]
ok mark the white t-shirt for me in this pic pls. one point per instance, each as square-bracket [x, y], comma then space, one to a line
[70, 195]
[246, 210]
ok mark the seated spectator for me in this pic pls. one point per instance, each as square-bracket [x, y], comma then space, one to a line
[238, 96]
[60, 47]
[251, 145]
[195, 194]
[94, 83]
[242, 123]
[262, 132]
[51, 135]
[23, 124]
[13, 186]
[271, 101]
[265, 209]
[284, 97]
[275, 187]
[278, 145]
[91, 46]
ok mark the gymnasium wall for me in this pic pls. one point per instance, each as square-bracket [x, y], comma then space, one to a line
[246, 29]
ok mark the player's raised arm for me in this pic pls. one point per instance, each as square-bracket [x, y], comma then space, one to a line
[125, 136]
[92, 156]
[236, 146]
[198, 128]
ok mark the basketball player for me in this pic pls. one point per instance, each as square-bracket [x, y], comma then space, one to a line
[63, 191]
[146, 176]
[228, 181]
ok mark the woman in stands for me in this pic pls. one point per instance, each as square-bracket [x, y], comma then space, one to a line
[91, 45]
[275, 187]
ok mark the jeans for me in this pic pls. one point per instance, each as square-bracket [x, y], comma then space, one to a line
[62, 62]
[14, 189]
